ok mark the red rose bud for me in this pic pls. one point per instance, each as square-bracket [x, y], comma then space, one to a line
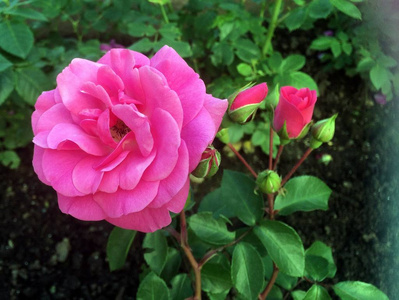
[268, 182]
[322, 132]
[293, 114]
[209, 163]
[244, 103]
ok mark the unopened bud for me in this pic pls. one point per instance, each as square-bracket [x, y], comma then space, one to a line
[268, 182]
[209, 163]
[244, 103]
[322, 132]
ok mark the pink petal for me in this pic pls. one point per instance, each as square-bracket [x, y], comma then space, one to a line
[43, 103]
[124, 202]
[57, 168]
[176, 204]
[85, 178]
[286, 111]
[103, 127]
[71, 132]
[171, 185]
[216, 108]
[111, 82]
[147, 220]
[167, 142]
[198, 134]
[51, 117]
[96, 91]
[182, 79]
[37, 164]
[83, 208]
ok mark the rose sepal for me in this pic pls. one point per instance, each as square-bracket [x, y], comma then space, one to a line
[244, 114]
[209, 164]
[268, 182]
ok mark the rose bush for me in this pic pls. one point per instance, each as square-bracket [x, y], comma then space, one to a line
[295, 108]
[118, 138]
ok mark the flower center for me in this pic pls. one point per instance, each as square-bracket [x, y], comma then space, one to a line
[119, 130]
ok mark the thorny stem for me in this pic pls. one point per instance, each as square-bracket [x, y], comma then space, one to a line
[280, 150]
[242, 160]
[300, 161]
[270, 284]
[190, 256]
[272, 27]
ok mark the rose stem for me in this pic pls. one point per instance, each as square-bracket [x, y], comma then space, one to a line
[190, 256]
[300, 161]
[242, 160]
[280, 150]
[270, 283]
[272, 27]
[271, 148]
[173, 233]
[165, 16]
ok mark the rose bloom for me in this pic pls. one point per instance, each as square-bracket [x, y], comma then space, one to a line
[118, 138]
[295, 107]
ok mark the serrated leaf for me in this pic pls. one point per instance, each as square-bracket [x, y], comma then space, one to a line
[7, 85]
[320, 9]
[316, 267]
[143, 45]
[247, 50]
[118, 245]
[181, 287]
[215, 275]
[158, 250]
[209, 229]
[293, 62]
[239, 190]
[317, 292]
[31, 82]
[153, 287]
[347, 8]
[4, 64]
[322, 250]
[295, 18]
[16, 38]
[303, 193]
[215, 203]
[284, 246]
[357, 290]
[247, 271]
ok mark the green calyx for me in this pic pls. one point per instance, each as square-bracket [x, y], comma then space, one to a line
[244, 114]
[209, 164]
[268, 182]
[323, 132]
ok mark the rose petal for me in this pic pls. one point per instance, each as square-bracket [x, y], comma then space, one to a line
[85, 178]
[216, 108]
[83, 208]
[51, 117]
[286, 111]
[176, 204]
[43, 103]
[124, 202]
[182, 79]
[147, 220]
[37, 164]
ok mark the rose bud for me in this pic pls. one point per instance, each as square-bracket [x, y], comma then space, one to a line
[209, 163]
[293, 114]
[268, 182]
[322, 132]
[244, 103]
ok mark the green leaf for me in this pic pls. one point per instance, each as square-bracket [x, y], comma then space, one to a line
[143, 45]
[158, 251]
[247, 50]
[282, 280]
[322, 250]
[172, 264]
[119, 242]
[183, 48]
[138, 29]
[347, 8]
[222, 54]
[379, 75]
[215, 275]
[4, 64]
[303, 80]
[247, 271]
[215, 203]
[317, 292]
[357, 290]
[10, 159]
[275, 61]
[210, 230]
[153, 287]
[31, 82]
[218, 296]
[7, 85]
[316, 267]
[298, 295]
[16, 38]
[27, 13]
[293, 62]
[347, 48]
[181, 287]
[295, 18]
[336, 48]
[387, 61]
[238, 189]
[303, 193]
[322, 43]
[244, 69]
[284, 246]
[320, 9]
[365, 64]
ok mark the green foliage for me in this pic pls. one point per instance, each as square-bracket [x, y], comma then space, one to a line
[357, 290]
[153, 287]
[157, 251]
[119, 243]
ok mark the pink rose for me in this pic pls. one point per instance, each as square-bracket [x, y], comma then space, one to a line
[245, 103]
[295, 107]
[117, 139]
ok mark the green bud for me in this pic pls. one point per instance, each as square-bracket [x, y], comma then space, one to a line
[322, 132]
[209, 163]
[223, 135]
[268, 182]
